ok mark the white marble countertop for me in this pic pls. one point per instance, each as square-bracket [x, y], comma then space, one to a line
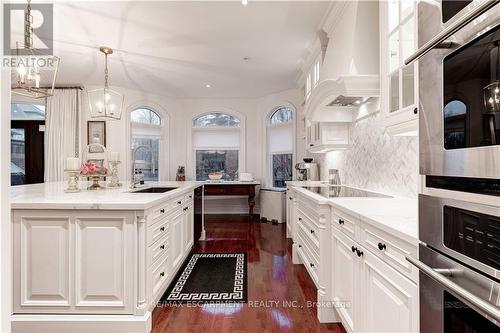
[52, 196]
[395, 215]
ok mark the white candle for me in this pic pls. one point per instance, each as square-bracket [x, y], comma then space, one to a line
[72, 163]
[114, 156]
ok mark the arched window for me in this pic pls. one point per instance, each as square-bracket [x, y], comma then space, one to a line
[455, 113]
[145, 116]
[216, 145]
[280, 146]
[146, 129]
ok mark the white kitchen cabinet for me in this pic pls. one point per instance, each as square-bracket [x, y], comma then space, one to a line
[322, 137]
[345, 276]
[73, 261]
[399, 83]
[290, 212]
[178, 232]
[188, 213]
[390, 300]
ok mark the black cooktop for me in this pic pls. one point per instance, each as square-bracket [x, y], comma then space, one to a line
[343, 192]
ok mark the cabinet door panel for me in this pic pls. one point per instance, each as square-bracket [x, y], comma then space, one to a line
[188, 226]
[177, 242]
[391, 303]
[103, 262]
[344, 279]
[44, 257]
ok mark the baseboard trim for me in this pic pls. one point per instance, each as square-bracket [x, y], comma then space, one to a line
[61, 323]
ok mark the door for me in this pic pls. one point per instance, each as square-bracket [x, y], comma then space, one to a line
[177, 239]
[27, 151]
[345, 279]
[391, 300]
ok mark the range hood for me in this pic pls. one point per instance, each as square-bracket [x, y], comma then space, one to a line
[349, 77]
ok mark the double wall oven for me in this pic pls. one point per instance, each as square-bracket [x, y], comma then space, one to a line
[459, 110]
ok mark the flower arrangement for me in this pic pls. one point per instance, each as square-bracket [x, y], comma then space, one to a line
[92, 169]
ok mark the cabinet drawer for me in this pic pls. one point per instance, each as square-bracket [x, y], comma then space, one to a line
[160, 212]
[241, 190]
[157, 231]
[159, 276]
[348, 224]
[390, 249]
[308, 233]
[308, 207]
[159, 250]
[309, 260]
[216, 190]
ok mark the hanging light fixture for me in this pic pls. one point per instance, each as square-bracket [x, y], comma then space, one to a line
[105, 103]
[492, 90]
[35, 73]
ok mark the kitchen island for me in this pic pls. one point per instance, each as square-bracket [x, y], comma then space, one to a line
[96, 261]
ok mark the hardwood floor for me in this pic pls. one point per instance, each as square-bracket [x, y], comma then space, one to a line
[271, 278]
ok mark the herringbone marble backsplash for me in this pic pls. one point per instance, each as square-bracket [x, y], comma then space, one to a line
[376, 161]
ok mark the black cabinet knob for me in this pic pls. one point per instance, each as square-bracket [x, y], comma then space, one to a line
[341, 221]
[185, 208]
[353, 249]
[190, 197]
[162, 229]
[179, 202]
[381, 246]
[311, 264]
[290, 198]
[162, 274]
[415, 111]
[312, 231]
[300, 218]
[311, 145]
[162, 247]
[300, 246]
[359, 253]
[162, 211]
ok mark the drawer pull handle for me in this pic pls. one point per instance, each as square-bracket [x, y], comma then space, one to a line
[190, 197]
[300, 246]
[185, 208]
[290, 198]
[300, 218]
[341, 221]
[179, 202]
[311, 264]
[162, 210]
[353, 249]
[312, 231]
[162, 274]
[162, 247]
[359, 253]
[381, 246]
[162, 229]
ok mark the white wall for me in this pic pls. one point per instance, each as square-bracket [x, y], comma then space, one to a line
[179, 116]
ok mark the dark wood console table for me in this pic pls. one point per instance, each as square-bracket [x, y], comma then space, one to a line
[233, 188]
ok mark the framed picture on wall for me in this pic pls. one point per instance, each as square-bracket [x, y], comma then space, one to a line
[96, 129]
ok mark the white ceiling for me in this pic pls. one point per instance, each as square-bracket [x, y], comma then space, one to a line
[176, 48]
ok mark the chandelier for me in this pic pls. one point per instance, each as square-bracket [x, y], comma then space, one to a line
[105, 103]
[492, 90]
[35, 73]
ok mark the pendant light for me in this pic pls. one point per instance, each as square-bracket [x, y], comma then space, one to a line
[105, 103]
[35, 73]
[492, 91]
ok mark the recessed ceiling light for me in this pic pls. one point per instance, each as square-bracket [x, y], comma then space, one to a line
[244, 2]
[207, 85]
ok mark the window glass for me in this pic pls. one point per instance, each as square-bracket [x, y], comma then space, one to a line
[143, 161]
[224, 161]
[145, 116]
[216, 119]
[27, 111]
[281, 115]
[17, 157]
[281, 169]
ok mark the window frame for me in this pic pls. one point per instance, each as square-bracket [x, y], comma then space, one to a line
[163, 136]
[191, 148]
[268, 155]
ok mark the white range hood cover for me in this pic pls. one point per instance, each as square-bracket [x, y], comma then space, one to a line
[350, 68]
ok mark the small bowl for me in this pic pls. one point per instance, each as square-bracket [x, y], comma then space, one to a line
[215, 176]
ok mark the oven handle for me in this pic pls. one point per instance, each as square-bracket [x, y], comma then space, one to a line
[489, 309]
[457, 25]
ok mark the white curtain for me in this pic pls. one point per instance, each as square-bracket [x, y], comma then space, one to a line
[61, 131]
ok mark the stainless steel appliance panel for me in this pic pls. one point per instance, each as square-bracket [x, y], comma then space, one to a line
[478, 162]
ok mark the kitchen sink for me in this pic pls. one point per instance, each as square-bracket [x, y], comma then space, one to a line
[155, 190]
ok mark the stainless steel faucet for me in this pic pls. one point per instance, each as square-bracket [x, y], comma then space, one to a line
[133, 181]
